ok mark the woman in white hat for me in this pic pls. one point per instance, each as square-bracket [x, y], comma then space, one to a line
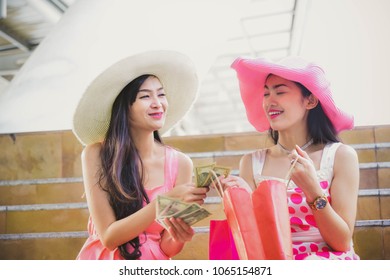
[292, 100]
[125, 165]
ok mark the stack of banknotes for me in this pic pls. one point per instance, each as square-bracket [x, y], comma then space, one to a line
[204, 176]
[190, 213]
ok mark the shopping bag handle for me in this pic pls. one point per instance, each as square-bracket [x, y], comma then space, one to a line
[288, 176]
[219, 188]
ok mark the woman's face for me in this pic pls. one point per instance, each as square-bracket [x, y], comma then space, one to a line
[284, 104]
[150, 106]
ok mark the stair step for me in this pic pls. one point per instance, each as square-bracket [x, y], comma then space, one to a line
[68, 244]
[40, 192]
[44, 235]
[68, 216]
[211, 198]
[53, 248]
[197, 229]
[67, 248]
[64, 190]
[74, 216]
[42, 220]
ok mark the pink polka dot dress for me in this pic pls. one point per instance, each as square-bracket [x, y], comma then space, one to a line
[307, 241]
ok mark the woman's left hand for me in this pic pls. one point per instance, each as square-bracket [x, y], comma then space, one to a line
[179, 230]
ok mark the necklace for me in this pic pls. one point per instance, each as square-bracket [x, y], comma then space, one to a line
[303, 147]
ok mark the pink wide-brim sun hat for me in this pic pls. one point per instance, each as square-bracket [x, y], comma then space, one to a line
[252, 74]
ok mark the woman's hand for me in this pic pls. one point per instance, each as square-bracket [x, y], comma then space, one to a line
[179, 230]
[188, 193]
[175, 235]
[304, 174]
[232, 181]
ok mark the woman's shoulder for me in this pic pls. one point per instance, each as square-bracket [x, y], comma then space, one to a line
[255, 153]
[183, 169]
[247, 158]
[91, 151]
[346, 151]
[181, 156]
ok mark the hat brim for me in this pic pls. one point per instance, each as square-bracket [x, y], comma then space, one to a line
[176, 72]
[252, 75]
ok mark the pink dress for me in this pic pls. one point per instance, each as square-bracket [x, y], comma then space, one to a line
[150, 240]
[306, 238]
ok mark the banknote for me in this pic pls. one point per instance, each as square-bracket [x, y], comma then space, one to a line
[219, 170]
[175, 206]
[192, 208]
[191, 213]
[203, 176]
[162, 203]
[193, 218]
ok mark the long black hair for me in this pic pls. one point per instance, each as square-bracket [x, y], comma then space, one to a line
[121, 164]
[320, 127]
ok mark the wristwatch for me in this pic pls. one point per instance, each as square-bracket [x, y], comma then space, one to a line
[319, 203]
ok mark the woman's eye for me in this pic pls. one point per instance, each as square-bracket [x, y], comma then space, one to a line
[266, 94]
[161, 94]
[144, 96]
[280, 92]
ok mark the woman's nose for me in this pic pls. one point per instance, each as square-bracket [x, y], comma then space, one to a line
[270, 100]
[156, 102]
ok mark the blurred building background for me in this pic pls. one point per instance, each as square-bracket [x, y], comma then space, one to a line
[42, 41]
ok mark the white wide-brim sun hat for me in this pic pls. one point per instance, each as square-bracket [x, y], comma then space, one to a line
[175, 70]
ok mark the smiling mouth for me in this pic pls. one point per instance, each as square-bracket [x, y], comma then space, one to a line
[156, 115]
[274, 114]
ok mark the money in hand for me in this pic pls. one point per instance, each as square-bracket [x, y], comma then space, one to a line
[203, 176]
[190, 213]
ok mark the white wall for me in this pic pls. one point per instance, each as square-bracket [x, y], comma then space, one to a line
[351, 40]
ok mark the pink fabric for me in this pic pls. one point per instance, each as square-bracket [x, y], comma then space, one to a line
[93, 249]
[221, 241]
[307, 241]
[252, 74]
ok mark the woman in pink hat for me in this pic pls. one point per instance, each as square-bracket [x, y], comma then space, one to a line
[293, 101]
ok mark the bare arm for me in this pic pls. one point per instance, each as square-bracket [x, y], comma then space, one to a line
[112, 232]
[336, 221]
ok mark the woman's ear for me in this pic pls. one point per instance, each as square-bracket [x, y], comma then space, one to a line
[312, 101]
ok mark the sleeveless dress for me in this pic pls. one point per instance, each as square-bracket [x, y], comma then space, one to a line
[307, 241]
[93, 249]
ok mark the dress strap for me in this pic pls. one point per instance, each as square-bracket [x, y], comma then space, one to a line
[258, 158]
[328, 155]
[171, 166]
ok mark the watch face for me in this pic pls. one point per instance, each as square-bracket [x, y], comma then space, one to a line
[320, 203]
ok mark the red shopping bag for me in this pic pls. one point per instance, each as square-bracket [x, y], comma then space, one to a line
[272, 218]
[221, 242]
[241, 221]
